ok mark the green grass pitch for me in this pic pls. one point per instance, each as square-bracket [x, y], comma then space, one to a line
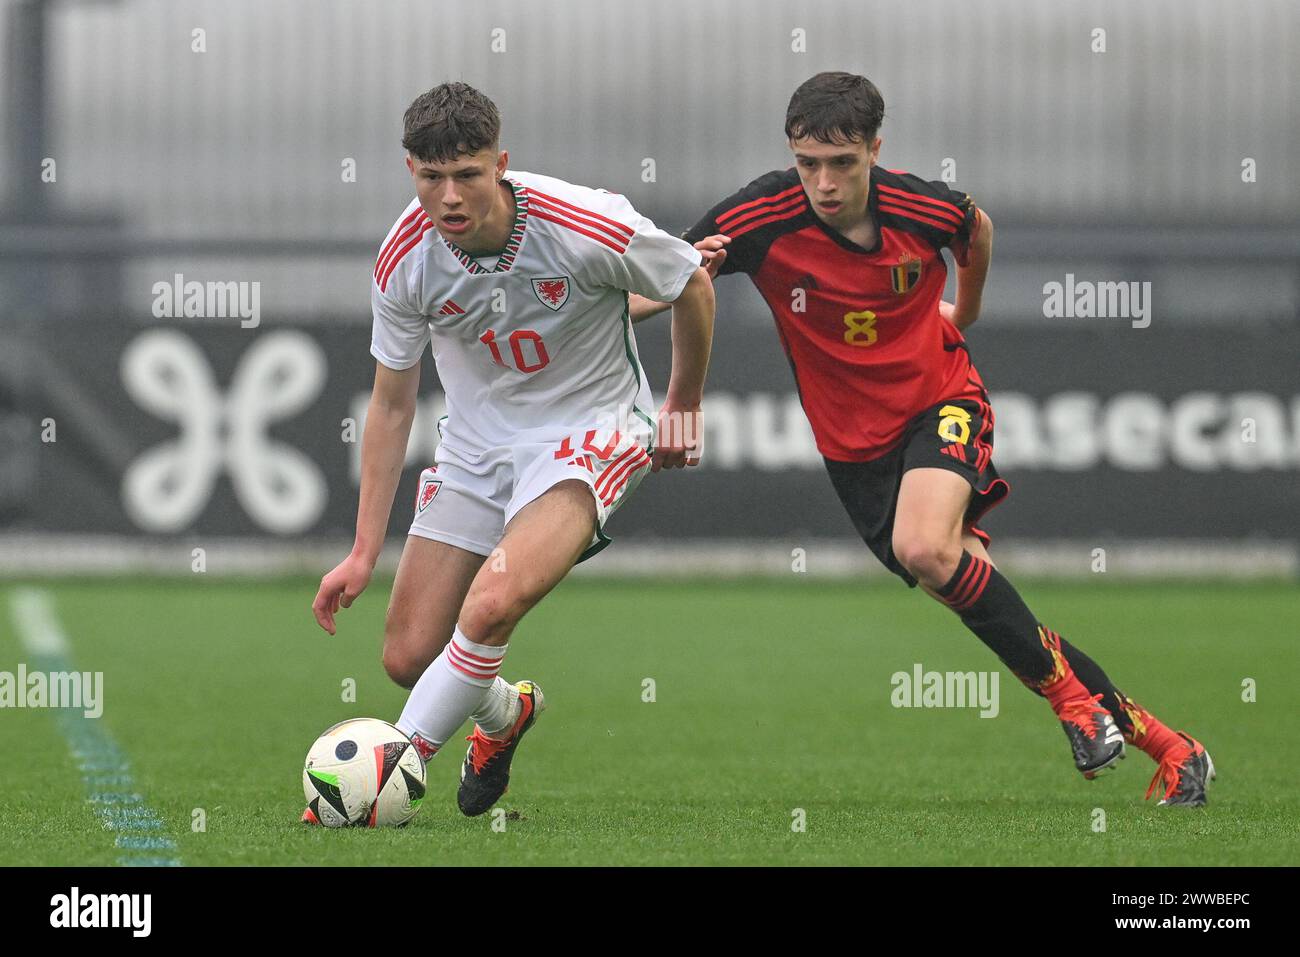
[769, 697]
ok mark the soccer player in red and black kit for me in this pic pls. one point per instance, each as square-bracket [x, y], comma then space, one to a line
[848, 257]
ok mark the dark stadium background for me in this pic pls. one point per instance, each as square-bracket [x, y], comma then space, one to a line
[228, 164]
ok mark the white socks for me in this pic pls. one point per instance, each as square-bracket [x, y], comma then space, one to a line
[499, 709]
[456, 685]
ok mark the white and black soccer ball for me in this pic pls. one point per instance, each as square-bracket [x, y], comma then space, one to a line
[363, 773]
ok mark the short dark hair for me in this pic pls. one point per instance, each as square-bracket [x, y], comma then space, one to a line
[835, 106]
[451, 120]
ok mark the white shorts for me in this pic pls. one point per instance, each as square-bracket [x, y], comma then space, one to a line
[466, 499]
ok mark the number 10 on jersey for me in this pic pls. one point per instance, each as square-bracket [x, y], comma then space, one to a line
[517, 340]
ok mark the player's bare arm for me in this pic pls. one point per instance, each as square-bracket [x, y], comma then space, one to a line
[680, 422]
[713, 249]
[639, 307]
[383, 451]
[972, 272]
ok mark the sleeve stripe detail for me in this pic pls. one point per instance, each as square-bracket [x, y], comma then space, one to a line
[761, 201]
[954, 222]
[901, 196]
[540, 213]
[401, 252]
[400, 235]
[732, 222]
[887, 207]
[585, 218]
[797, 211]
[554, 202]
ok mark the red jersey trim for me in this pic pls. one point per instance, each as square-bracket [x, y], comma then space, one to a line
[729, 218]
[405, 229]
[613, 227]
[944, 207]
[400, 253]
[776, 217]
[886, 206]
[604, 240]
[791, 203]
[618, 239]
[955, 222]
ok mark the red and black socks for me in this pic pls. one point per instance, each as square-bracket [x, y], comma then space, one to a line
[1144, 730]
[1048, 665]
[991, 607]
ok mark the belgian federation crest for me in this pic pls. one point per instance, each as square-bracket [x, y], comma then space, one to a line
[553, 292]
[906, 274]
[427, 491]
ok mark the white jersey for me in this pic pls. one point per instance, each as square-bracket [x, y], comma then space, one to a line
[539, 338]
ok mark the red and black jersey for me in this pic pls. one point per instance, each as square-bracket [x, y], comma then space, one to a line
[861, 327]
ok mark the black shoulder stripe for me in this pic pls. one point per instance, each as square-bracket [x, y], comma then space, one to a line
[936, 236]
[919, 217]
[742, 215]
[932, 210]
[753, 217]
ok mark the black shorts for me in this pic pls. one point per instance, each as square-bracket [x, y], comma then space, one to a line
[956, 435]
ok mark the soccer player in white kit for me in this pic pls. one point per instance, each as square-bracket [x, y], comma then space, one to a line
[520, 283]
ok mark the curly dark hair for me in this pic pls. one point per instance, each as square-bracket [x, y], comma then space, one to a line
[835, 106]
[451, 120]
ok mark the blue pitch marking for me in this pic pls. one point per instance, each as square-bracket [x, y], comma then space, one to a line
[105, 772]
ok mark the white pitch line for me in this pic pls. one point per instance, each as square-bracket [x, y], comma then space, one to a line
[38, 626]
[98, 757]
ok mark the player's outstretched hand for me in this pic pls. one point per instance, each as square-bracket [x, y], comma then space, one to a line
[340, 588]
[680, 437]
[713, 249]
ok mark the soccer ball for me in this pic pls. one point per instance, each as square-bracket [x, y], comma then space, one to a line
[363, 773]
